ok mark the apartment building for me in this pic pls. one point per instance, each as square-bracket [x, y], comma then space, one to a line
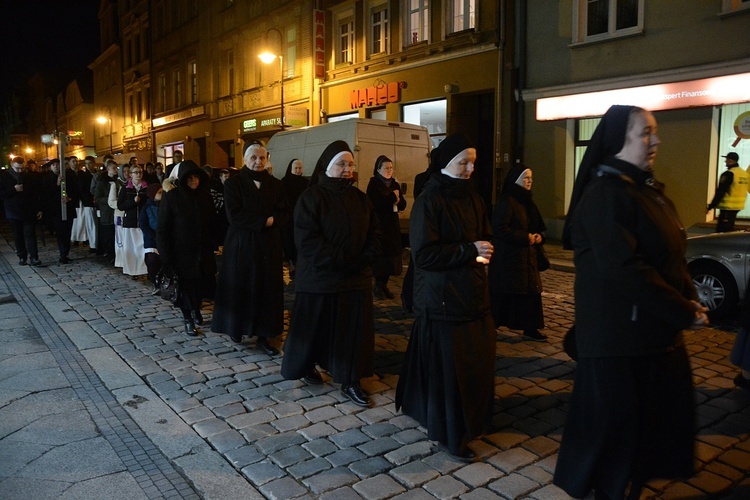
[690, 64]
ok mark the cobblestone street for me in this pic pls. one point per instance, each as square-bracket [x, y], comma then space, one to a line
[291, 440]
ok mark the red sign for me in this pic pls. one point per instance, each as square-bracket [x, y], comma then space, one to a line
[319, 43]
[379, 95]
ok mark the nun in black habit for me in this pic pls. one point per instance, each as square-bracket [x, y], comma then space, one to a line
[337, 236]
[292, 184]
[447, 379]
[631, 414]
[250, 295]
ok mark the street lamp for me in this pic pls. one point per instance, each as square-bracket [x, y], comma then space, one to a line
[268, 57]
[104, 119]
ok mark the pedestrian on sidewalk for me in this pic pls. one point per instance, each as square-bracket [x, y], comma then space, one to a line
[131, 199]
[518, 233]
[22, 204]
[105, 182]
[384, 192]
[731, 192]
[447, 380]
[185, 239]
[293, 184]
[148, 221]
[631, 416]
[58, 195]
[337, 236]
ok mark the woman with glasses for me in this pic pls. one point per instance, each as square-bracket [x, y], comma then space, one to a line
[337, 237]
[385, 194]
[131, 199]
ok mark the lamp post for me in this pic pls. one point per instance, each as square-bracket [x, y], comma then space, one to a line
[268, 57]
[102, 119]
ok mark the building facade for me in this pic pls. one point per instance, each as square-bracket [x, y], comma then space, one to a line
[691, 66]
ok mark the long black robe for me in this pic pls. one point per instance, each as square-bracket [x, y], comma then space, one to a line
[447, 379]
[250, 295]
[388, 263]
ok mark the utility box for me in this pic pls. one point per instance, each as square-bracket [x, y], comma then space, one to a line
[406, 144]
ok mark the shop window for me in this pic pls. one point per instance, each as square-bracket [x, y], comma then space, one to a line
[431, 114]
[462, 15]
[338, 118]
[417, 21]
[603, 19]
[732, 116]
[346, 41]
[379, 29]
[729, 6]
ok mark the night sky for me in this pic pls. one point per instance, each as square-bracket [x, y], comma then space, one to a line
[46, 35]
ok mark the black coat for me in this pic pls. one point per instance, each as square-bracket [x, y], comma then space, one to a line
[383, 198]
[84, 188]
[101, 193]
[126, 201]
[632, 287]
[250, 295]
[447, 218]
[20, 205]
[52, 196]
[514, 265]
[184, 233]
[337, 236]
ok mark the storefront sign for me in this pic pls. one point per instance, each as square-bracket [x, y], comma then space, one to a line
[176, 117]
[376, 95]
[705, 92]
[319, 42]
[295, 116]
[137, 145]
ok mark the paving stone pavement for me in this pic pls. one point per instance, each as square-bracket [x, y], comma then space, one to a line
[205, 418]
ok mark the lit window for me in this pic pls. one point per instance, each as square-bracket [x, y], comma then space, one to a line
[193, 82]
[417, 21]
[291, 52]
[346, 42]
[431, 115]
[462, 15]
[162, 92]
[177, 85]
[603, 19]
[379, 30]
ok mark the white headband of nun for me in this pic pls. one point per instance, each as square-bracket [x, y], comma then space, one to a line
[519, 181]
[334, 159]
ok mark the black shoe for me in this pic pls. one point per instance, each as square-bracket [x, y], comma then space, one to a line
[64, 260]
[190, 329]
[197, 316]
[237, 339]
[534, 335]
[356, 395]
[313, 377]
[378, 292]
[36, 262]
[742, 382]
[22, 262]
[92, 250]
[156, 290]
[465, 455]
[267, 348]
[388, 294]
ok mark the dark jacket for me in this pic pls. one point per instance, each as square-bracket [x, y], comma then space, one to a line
[52, 196]
[20, 205]
[632, 286]
[337, 235]
[101, 193]
[514, 265]
[383, 198]
[84, 188]
[148, 222]
[126, 202]
[446, 220]
[184, 233]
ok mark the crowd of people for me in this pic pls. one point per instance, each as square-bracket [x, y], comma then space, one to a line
[631, 411]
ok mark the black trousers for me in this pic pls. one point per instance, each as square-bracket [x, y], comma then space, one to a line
[725, 223]
[106, 241]
[63, 229]
[24, 237]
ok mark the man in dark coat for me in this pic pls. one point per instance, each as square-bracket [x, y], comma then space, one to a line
[447, 380]
[56, 196]
[250, 291]
[104, 181]
[21, 201]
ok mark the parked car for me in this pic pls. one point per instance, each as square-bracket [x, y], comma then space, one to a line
[718, 264]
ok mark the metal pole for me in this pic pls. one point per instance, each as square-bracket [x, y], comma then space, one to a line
[110, 132]
[63, 187]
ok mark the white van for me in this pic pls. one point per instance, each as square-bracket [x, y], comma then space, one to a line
[406, 144]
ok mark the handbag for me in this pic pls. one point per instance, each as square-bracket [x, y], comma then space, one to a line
[169, 288]
[541, 258]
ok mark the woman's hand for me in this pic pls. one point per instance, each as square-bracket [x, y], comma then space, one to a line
[701, 318]
[269, 221]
